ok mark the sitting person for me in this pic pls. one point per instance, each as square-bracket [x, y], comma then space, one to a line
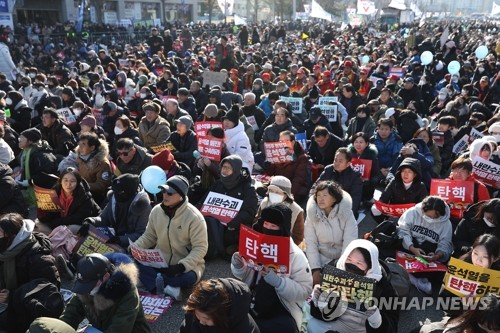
[11, 197]
[124, 128]
[484, 252]
[361, 258]
[235, 138]
[388, 145]
[166, 160]
[153, 129]
[76, 201]
[406, 187]
[184, 141]
[279, 190]
[278, 299]
[330, 225]
[130, 157]
[324, 145]
[178, 230]
[426, 232]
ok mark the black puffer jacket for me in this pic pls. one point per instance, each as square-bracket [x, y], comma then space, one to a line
[11, 198]
[396, 193]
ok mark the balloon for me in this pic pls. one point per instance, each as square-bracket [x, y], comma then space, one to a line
[453, 67]
[426, 57]
[152, 177]
[481, 52]
[365, 59]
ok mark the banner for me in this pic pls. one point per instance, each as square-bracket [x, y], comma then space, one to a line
[163, 146]
[364, 167]
[154, 305]
[366, 7]
[461, 144]
[495, 9]
[319, 12]
[47, 199]
[95, 242]
[414, 264]
[464, 279]
[327, 100]
[201, 127]
[460, 193]
[330, 112]
[148, 257]
[223, 207]
[486, 171]
[354, 289]
[302, 139]
[392, 210]
[263, 250]
[66, 115]
[213, 78]
[210, 148]
[278, 152]
[295, 102]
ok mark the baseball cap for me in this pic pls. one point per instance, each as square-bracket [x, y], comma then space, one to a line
[89, 270]
[176, 184]
[409, 79]
[315, 112]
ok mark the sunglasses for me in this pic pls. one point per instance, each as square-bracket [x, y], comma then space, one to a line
[124, 153]
[165, 192]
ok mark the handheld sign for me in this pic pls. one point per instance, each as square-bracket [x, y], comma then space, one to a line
[486, 171]
[330, 112]
[148, 257]
[464, 279]
[458, 193]
[223, 207]
[277, 152]
[302, 139]
[392, 210]
[66, 114]
[295, 102]
[163, 146]
[210, 148]
[201, 127]
[47, 199]
[95, 242]
[213, 78]
[461, 144]
[474, 134]
[364, 167]
[327, 100]
[438, 138]
[413, 265]
[264, 250]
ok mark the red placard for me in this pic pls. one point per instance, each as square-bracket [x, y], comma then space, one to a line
[486, 171]
[278, 152]
[412, 265]
[364, 167]
[122, 91]
[201, 127]
[165, 98]
[460, 192]
[263, 250]
[223, 207]
[392, 210]
[210, 148]
[154, 305]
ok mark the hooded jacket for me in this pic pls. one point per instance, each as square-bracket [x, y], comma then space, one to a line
[116, 308]
[11, 197]
[328, 236]
[272, 132]
[238, 143]
[396, 193]
[97, 169]
[239, 319]
[414, 230]
[20, 113]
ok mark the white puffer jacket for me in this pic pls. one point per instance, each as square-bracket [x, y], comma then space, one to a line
[237, 143]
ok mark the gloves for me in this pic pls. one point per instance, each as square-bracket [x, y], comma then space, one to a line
[272, 279]
[113, 240]
[374, 317]
[174, 270]
[23, 183]
[84, 229]
[375, 211]
[237, 261]
[315, 294]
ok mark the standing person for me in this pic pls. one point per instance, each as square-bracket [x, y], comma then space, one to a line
[179, 231]
[219, 305]
[224, 54]
[155, 42]
[7, 66]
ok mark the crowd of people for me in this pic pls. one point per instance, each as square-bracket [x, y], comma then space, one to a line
[88, 120]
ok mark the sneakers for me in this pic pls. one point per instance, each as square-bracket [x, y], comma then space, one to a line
[63, 268]
[175, 292]
[422, 284]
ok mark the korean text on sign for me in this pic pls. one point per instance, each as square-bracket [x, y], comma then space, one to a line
[222, 207]
[392, 210]
[464, 279]
[330, 112]
[201, 127]
[154, 306]
[412, 265]
[364, 167]
[486, 171]
[295, 102]
[453, 190]
[277, 152]
[261, 250]
[148, 257]
[210, 148]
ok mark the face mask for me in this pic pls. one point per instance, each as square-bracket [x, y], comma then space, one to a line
[276, 198]
[77, 111]
[472, 122]
[428, 219]
[488, 223]
[32, 75]
[4, 244]
[8, 101]
[143, 95]
[118, 130]
[480, 69]
[270, 232]
[351, 268]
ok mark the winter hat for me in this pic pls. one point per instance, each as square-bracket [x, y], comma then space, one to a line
[494, 128]
[89, 121]
[233, 115]
[183, 92]
[163, 159]
[314, 93]
[176, 184]
[390, 112]
[278, 214]
[185, 120]
[143, 79]
[32, 134]
[150, 106]
[315, 112]
[108, 107]
[211, 111]
[258, 81]
[125, 186]
[267, 66]
[283, 184]
[375, 272]
[67, 91]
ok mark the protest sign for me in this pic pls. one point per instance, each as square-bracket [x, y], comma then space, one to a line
[355, 289]
[461, 144]
[438, 138]
[458, 192]
[330, 112]
[464, 279]
[295, 102]
[392, 210]
[364, 167]
[148, 257]
[99, 117]
[122, 91]
[474, 134]
[165, 98]
[302, 139]
[223, 207]
[486, 171]
[154, 305]
[47, 199]
[264, 250]
[210, 148]
[95, 242]
[201, 127]
[66, 115]
[262, 178]
[397, 70]
[163, 146]
[413, 264]
[213, 78]
[123, 62]
[278, 152]
[327, 100]
[252, 122]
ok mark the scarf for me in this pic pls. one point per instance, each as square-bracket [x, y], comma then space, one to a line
[236, 83]
[66, 202]
[25, 162]
[8, 276]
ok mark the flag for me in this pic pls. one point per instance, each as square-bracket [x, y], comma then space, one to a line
[495, 9]
[226, 7]
[304, 36]
[79, 23]
[318, 12]
[444, 36]
[366, 7]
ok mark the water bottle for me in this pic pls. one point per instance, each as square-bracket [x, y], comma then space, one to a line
[196, 154]
[160, 285]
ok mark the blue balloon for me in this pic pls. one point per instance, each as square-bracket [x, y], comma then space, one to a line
[453, 67]
[152, 177]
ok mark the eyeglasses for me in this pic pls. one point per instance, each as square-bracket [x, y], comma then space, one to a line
[165, 192]
[124, 153]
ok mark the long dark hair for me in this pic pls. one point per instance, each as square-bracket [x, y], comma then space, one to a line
[491, 244]
[487, 313]
[489, 206]
[72, 171]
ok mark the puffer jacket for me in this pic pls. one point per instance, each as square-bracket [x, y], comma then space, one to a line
[96, 170]
[272, 132]
[157, 134]
[238, 143]
[59, 137]
[328, 236]
[11, 197]
[387, 150]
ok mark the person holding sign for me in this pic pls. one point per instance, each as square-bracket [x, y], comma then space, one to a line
[178, 230]
[278, 298]
[361, 258]
[220, 305]
[365, 160]
[426, 232]
[330, 225]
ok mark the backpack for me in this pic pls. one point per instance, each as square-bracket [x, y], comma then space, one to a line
[400, 279]
[384, 236]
